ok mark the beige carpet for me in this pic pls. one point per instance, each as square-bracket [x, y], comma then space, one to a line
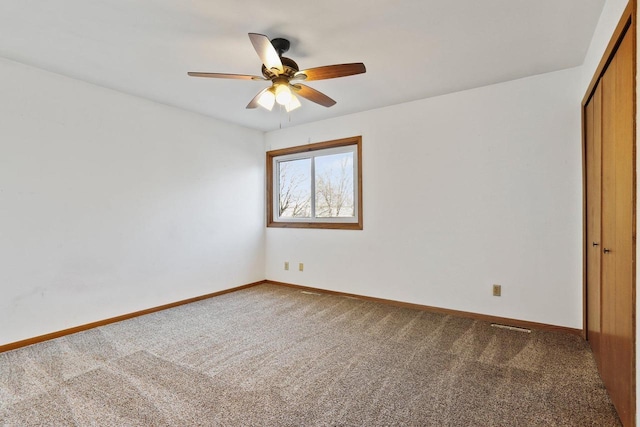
[275, 356]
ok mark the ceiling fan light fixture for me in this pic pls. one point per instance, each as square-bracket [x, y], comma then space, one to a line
[283, 94]
[267, 99]
[293, 104]
[285, 76]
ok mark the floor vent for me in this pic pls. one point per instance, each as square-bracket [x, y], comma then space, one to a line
[511, 328]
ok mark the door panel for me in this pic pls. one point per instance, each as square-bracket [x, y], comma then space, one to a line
[593, 158]
[607, 338]
[616, 340]
[624, 255]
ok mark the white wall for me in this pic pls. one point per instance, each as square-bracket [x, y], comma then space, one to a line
[460, 192]
[111, 204]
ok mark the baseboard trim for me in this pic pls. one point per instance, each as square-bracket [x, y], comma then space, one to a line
[476, 316]
[69, 331]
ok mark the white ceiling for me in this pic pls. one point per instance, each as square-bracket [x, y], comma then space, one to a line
[412, 49]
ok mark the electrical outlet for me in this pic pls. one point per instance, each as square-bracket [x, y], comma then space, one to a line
[497, 290]
[301, 267]
[286, 265]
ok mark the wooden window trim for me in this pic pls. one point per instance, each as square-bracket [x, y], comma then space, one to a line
[355, 140]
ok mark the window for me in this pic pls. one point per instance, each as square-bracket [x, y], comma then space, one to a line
[316, 186]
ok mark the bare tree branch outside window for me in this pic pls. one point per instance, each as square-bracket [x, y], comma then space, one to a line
[334, 186]
[295, 189]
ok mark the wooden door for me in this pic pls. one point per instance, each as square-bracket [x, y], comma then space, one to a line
[593, 175]
[616, 342]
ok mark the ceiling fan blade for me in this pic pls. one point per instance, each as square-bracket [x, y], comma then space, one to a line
[254, 102]
[225, 76]
[313, 95]
[332, 71]
[267, 53]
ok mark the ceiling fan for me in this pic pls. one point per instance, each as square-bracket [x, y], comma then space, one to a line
[286, 76]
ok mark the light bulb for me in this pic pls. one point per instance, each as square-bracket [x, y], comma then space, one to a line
[293, 104]
[283, 94]
[267, 99]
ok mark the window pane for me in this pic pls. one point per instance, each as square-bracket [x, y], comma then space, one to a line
[334, 186]
[316, 185]
[295, 188]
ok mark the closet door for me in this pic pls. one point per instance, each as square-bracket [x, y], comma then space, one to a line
[593, 250]
[616, 340]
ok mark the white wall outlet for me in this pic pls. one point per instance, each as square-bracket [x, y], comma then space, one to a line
[286, 265]
[301, 267]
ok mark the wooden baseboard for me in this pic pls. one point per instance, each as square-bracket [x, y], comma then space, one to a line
[483, 317]
[58, 334]
[477, 316]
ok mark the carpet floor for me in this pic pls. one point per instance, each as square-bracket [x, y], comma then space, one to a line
[276, 356]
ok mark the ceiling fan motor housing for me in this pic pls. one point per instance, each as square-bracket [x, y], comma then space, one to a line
[289, 65]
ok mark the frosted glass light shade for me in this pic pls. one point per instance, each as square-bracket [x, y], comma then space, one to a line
[293, 104]
[283, 94]
[267, 99]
